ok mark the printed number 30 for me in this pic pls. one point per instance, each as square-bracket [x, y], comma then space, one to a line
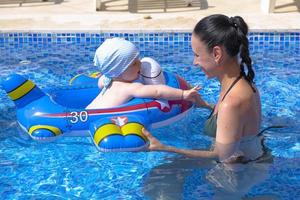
[79, 116]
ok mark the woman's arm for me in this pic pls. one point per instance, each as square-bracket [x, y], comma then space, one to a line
[228, 135]
[156, 145]
[229, 129]
[230, 121]
[192, 153]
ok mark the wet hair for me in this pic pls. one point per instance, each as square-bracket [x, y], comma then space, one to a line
[231, 33]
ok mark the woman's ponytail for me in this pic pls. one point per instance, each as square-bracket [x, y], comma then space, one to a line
[242, 31]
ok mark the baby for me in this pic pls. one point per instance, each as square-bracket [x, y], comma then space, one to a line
[151, 73]
[119, 64]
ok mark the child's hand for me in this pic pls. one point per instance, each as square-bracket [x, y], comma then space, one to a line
[194, 96]
[191, 94]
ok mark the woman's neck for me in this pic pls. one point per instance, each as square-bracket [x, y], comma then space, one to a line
[230, 73]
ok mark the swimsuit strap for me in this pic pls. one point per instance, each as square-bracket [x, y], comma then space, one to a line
[231, 86]
[234, 82]
[212, 111]
[270, 127]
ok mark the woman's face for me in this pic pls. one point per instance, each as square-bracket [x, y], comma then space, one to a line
[133, 71]
[202, 58]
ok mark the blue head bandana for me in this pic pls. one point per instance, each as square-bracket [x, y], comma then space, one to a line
[113, 57]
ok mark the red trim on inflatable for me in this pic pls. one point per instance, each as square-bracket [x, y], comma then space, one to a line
[164, 106]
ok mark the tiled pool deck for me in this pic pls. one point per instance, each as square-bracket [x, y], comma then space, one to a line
[76, 21]
[81, 16]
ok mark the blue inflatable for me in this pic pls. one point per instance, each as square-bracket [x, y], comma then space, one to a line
[50, 113]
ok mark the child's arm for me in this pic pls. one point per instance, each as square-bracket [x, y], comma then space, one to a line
[163, 92]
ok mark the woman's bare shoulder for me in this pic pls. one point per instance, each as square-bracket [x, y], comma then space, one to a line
[231, 102]
[239, 101]
[241, 95]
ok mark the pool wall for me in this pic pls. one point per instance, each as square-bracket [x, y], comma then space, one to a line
[260, 38]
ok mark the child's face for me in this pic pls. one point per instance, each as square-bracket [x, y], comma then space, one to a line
[133, 71]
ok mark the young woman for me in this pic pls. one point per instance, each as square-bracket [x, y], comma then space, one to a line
[218, 43]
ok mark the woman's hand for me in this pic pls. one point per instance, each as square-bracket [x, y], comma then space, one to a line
[155, 144]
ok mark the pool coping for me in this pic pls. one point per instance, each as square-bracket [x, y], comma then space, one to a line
[138, 31]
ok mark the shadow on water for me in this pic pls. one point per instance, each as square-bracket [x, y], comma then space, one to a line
[187, 178]
[180, 177]
[8, 122]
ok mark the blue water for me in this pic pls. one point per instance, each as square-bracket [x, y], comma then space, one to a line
[72, 168]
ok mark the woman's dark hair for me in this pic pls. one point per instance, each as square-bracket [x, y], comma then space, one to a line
[229, 32]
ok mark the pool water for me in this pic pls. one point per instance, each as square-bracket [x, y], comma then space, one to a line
[72, 168]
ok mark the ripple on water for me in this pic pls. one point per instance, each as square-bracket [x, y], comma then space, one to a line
[72, 168]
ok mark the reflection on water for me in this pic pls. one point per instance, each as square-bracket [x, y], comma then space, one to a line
[206, 179]
[72, 168]
[235, 180]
